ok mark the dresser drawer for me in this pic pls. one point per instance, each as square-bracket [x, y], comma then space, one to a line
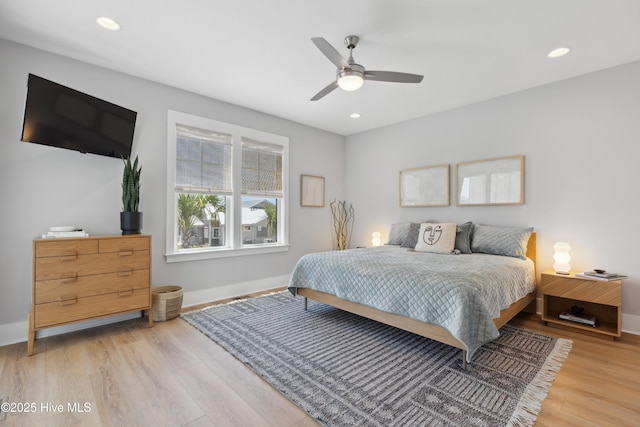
[124, 244]
[74, 309]
[86, 265]
[85, 286]
[65, 248]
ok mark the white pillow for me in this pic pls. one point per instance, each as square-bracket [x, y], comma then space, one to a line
[438, 238]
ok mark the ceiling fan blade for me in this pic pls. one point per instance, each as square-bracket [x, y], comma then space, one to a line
[330, 52]
[330, 87]
[392, 76]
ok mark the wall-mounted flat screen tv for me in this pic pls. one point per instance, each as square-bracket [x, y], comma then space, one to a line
[62, 117]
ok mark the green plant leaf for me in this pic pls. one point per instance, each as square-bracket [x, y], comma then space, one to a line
[131, 185]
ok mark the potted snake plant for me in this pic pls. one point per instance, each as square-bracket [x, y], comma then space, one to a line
[130, 217]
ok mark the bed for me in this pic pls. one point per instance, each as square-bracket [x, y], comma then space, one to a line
[460, 300]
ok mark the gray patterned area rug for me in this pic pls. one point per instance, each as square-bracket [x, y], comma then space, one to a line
[345, 370]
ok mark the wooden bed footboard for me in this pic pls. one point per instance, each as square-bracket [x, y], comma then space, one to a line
[427, 330]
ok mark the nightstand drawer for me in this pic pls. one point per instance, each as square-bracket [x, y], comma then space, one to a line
[595, 291]
[72, 309]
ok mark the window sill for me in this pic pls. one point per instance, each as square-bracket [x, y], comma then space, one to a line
[197, 255]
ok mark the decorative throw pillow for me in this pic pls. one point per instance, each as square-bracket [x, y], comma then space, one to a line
[412, 235]
[495, 240]
[398, 233]
[436, 238]
[463, 237]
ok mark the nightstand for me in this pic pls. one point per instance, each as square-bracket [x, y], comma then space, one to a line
[598, 298]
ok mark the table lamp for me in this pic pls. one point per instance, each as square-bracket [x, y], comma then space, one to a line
[561, 257]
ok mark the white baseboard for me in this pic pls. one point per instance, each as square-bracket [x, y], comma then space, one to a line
[631, 324]
[12, 333]
[18, 332]
[231, 291]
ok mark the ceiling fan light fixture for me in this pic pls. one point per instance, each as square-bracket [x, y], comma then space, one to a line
[350, 80]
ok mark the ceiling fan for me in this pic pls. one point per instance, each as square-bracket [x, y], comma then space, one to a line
[349, 75]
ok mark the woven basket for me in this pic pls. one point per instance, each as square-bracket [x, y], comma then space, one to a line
[167, 302]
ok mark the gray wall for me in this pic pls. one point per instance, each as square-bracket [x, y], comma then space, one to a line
[580, 138]
[45, 186]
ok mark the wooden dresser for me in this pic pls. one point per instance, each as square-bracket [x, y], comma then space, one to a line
[76, 279]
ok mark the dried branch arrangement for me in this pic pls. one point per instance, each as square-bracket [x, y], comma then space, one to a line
[342, 223]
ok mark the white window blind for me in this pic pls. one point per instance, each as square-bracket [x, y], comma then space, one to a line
[261, 168]
[203, 161]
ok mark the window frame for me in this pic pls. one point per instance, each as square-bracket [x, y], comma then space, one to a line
[233, 222]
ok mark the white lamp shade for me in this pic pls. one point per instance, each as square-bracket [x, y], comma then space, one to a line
[375, 239]
[561, 257]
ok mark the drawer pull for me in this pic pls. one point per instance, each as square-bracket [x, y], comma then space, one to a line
[128, 272]
[68, 300]
[125, 253]
[69, 256]
[69, 277]
[125, 292]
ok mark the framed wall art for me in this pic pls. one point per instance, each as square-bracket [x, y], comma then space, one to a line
[424, 186]
[498, 181]
[312, 191]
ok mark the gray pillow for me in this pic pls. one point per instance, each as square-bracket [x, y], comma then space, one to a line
[463, 237]
[495, 240]
[414, 232]
[398, 233]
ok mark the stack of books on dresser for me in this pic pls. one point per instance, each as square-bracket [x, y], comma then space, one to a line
[65, 231]
[601, 275]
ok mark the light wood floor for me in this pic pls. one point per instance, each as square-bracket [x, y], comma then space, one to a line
[172, 375]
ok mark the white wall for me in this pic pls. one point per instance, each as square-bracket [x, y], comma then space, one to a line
[45, 186]
[581, 141]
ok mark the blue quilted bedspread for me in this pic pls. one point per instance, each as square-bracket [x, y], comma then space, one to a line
[462, 293]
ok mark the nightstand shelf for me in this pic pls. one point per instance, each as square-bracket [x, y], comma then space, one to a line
[598, 298]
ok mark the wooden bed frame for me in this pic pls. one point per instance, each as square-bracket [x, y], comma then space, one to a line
[434, 332]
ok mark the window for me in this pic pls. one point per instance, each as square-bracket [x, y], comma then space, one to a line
[226, 189]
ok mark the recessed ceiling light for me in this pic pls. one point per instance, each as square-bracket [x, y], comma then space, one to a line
[108, 23]
[557, 53]
[354, 115]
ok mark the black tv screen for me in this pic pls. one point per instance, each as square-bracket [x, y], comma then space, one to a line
[62, 117]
